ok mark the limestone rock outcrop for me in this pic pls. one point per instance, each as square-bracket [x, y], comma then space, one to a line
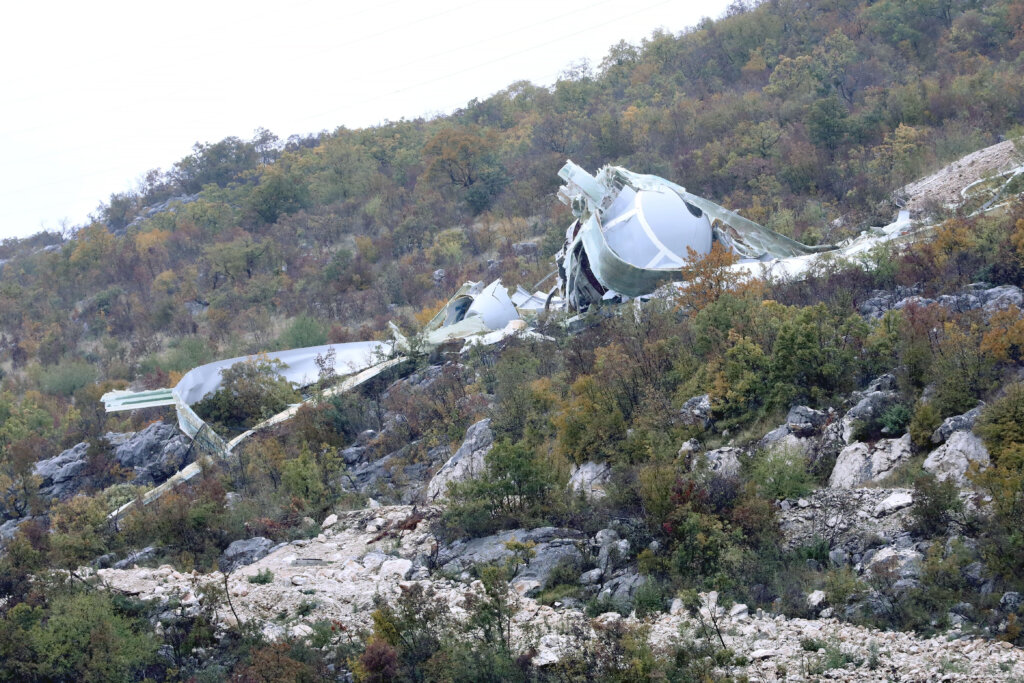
[468, 461]
[860, 463]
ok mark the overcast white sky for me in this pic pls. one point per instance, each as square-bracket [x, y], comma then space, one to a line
[96, 93]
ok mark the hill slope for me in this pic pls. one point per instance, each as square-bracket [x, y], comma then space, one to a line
[731, 439]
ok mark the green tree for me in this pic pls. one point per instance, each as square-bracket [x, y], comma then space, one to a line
[815, 355]
[302, 478]
[278, 193]
[78, 526]
[467, 158]
[827, 123]
[1001, 426]
[514, 491]
[19, 486]
[241, 256]
[80, 636]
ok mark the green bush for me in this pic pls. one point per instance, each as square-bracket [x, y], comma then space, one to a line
[517, 490]
[895, 419]
[936, 504]
[302, 479]
[251, 391]
[781, 473]
[303, 331]
[558, 592]
[840, 585]
[961, 371]
[187, 353]
[1001, 426]
[566, 572]
[262, 577]
[812, 644]
[596, 606]
[78, 636]
[67, 377]
[702, 544]
[649, 598]
[925, 420]
[816, 549]
[79, 531]
[832, 658]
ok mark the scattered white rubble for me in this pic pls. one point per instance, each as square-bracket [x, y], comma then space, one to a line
[337, 577]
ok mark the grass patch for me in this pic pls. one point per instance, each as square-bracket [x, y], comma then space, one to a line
[832, 658]
[557, 593]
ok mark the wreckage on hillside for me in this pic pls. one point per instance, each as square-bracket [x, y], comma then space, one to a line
[635, 232]
[631, 234]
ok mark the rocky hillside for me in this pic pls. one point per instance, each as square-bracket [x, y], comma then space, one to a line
[359, 557]
[807, 478]
[878, 518]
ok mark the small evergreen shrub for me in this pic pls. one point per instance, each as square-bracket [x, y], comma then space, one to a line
[262, 577]
[896, 419]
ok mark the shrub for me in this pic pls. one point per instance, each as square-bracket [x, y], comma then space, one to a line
[756, 516]
[650, 564]
[191, 522]
[117, 495]
[1001, 426]
[262, 577]
[302, 479]
[566, 572]
[962, 372]
[840, 585]
[702, 543]
[649, 598]
[414, 625]
[812, 644]
[67, 377]
[936, 504]
[782, 473]
[598, 605]
[832, 658]
[1002, 542]
[515, 491]
[816, 549]
[925, 420]
[251, 391]
[303, 331]
[558, 592]
[895, 419]
[78, 529]
[187, 353]
[378, 663]
[275, 662]
[84, 638]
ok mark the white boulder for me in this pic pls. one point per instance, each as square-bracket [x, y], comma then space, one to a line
[590, 479]
[860, 463]
[467, 463]
[952, 459]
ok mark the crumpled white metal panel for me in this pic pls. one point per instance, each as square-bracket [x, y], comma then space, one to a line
[300, 366]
